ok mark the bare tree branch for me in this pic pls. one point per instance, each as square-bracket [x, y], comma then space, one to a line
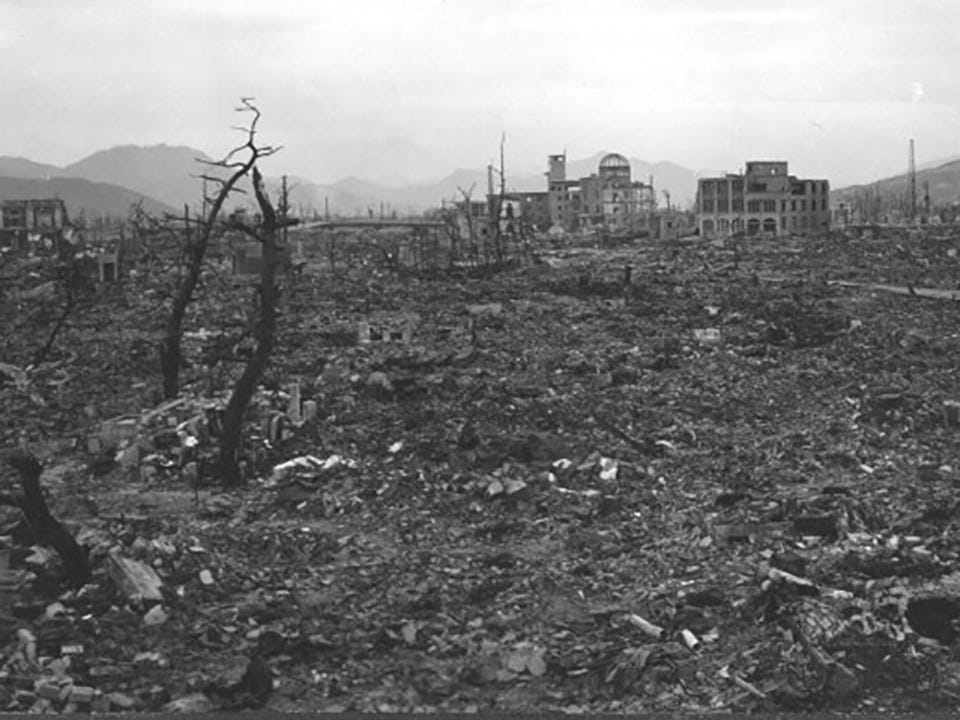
[170, 351]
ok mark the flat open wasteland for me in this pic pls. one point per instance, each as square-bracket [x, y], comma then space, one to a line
[727, 482]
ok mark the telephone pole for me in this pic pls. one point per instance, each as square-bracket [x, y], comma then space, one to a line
[912, 179]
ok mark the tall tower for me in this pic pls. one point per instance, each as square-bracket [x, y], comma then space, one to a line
[912, 180]
[558, 168]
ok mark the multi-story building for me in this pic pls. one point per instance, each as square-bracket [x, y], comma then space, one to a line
[608, 198]
[764, 200]
[20, 219]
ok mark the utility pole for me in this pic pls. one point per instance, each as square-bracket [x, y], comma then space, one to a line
[912, 179]
[284, 209]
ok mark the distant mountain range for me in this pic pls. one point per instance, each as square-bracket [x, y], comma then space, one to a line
[80, 196]
[165, 178]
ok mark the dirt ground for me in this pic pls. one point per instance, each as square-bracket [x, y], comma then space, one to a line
[731, 484]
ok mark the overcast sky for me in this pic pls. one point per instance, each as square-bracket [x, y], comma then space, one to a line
[416, 88]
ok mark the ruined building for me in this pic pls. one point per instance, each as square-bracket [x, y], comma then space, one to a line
[529, 207]
[22, 219]
[764, 200]
[609, 198]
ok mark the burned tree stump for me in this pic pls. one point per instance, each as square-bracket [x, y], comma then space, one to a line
[46, 529]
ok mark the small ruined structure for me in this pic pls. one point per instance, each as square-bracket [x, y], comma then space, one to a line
[108, 267]
[387, 327]
[23, 221]
[764, 200]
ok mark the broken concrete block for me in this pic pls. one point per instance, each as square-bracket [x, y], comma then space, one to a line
[309, 411]
[491, 309]
[48, 690]
[116, 430]
[82, 694]
[122, 701]
[378, 379]
[129, 457]
[750, 531]
[40, 292]
[708, 336]
[24, 698]
[134, 578]
[194, 703]
[294, 409]
[155, 616]
[41, 706]
[275, 430]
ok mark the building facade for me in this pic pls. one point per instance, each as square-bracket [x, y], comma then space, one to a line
[609, 198]
[21, 219]
[764, 200]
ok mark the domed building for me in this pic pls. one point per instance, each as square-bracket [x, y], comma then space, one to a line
[608, 198]
[615, 169]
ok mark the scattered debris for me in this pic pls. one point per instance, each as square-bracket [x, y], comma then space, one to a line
[549, 486]
[135, 579]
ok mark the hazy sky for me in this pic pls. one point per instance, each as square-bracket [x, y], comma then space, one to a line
[415, 88]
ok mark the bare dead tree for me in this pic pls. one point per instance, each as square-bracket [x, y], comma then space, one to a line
[265, 332]
[498, 247]
[496, 211]
[73, 279]
[468, 213]
[171, 356]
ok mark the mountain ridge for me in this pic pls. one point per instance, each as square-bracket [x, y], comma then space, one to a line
[943, 180]
[169, 174]
[81, 197]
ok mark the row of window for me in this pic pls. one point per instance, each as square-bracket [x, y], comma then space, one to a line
[14, 217]
[720, 187]
[755, 206]
[724, 225]
[737, 225]
[754, 225]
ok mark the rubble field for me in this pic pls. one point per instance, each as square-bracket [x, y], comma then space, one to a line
[724, 479]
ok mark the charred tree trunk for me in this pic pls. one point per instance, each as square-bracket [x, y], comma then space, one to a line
[171, 355]
[71, 276]
[45, 528]
[266, 329]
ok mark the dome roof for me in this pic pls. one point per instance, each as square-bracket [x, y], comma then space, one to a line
[614, 160]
